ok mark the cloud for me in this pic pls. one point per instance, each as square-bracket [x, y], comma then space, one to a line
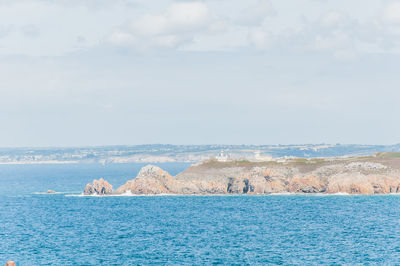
[392, 13]
[333, 40]
[260, 38]
[30, 30]
[197, 25]
[334, 19]
[5, 30]
[256, 13]
[179, 23]
[74, 3]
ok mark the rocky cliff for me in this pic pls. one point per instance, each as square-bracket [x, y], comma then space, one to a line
[150, 180]
[98, 187]
[367, 175]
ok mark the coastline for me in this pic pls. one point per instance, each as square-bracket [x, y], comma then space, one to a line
[379, 174]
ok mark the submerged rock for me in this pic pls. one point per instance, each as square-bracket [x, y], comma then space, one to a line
[50, 191]
[98, 187]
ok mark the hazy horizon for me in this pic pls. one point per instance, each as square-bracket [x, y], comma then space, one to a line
[205, 144]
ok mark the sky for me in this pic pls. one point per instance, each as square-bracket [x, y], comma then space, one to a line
[126, 72]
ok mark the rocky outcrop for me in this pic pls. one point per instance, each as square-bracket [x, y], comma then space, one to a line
[257, 181]
[98, 187]
[353, 176]
[151, 180]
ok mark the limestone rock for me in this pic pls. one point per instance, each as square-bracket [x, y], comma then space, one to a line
[98, 187]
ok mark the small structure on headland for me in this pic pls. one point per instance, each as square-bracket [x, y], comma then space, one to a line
[222, 157]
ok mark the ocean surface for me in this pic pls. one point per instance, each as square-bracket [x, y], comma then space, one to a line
[59, 229]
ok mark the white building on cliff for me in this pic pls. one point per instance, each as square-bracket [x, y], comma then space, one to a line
[222, 157]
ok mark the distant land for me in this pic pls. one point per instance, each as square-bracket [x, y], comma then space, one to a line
[156, 153]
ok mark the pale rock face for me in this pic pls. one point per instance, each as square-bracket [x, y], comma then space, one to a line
[151, 180]
[363, 184]
[258, 181]
[307, 184]
[98, 187]
[209, 187]
[352, 183]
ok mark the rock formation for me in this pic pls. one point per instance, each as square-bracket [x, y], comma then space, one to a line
[98, 187]
[367, 175]
[150, 180]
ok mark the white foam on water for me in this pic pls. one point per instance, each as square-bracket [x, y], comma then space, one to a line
[130, 194]
[57, 192]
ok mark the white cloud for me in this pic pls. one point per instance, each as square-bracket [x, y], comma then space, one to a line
[185, 16]
[333, 41]
[74, 3]
[57, 27]
[178, 24]
[392, 13]
[121, 38]
[334, 18]
[260, 38]
[198, 26]
[30, 30]
[256, 13]
[5, 30]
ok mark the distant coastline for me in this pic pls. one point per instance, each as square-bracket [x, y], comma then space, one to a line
[160, 153]
[38, 162]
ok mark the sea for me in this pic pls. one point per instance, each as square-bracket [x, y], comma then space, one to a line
[69, 229]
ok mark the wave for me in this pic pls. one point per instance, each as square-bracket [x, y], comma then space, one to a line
[57, 192]
[130, 194]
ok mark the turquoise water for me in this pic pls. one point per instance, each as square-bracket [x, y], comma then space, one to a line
[38, 229]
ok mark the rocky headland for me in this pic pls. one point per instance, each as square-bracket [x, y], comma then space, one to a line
[378, 174]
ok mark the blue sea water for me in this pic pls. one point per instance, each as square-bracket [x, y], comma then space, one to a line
[39, 229]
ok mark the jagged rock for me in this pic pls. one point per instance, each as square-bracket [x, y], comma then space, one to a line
[10, 263]
[307, 184]
[98, 187]
[150, 180]
[353, 183]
